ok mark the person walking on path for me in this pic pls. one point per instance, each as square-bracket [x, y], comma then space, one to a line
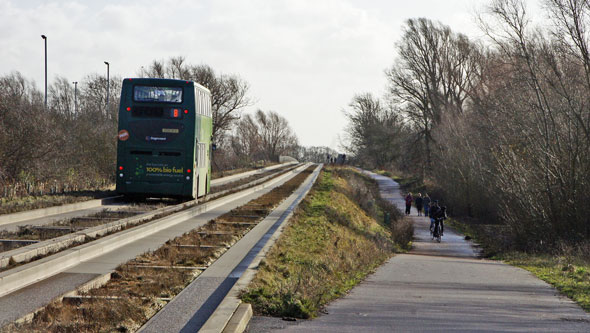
[409, 200]
[426, 204]
[418, 203]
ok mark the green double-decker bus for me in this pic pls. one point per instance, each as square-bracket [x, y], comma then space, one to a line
[164, 140]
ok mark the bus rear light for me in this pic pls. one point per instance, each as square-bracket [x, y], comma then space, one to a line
[175, 113]
[121, 175]
[185, 111]
[188, 170]
[120, 168]
[128, 108]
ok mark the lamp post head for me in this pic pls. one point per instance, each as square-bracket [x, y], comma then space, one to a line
[43, 36]
[106, 63]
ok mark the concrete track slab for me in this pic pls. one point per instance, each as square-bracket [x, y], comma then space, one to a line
[28, 299]
[442, 287]
[109, 261]
[192, 307]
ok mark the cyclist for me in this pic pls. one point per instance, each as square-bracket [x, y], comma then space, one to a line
[440, 217]
[434, 211]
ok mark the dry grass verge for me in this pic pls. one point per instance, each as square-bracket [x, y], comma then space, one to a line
[21, 204]
[330, 245]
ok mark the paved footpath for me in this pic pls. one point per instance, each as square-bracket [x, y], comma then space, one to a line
[442, 287]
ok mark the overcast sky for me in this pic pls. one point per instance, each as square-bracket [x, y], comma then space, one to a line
[304, 59]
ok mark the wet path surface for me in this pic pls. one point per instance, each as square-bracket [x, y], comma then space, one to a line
[442, 287]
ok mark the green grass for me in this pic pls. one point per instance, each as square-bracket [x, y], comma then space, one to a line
[330, 245]
[571, 276]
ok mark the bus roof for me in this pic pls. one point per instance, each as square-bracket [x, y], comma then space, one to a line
[165, 82]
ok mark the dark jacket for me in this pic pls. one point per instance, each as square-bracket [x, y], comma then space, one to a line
[409, 200]
[441, 213]
[419, 202]
[434, 210]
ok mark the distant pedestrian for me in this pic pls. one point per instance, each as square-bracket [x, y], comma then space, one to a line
[426, 204]
[418, 202]
[409, 200]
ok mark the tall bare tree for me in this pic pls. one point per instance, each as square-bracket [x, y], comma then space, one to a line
[431, 76]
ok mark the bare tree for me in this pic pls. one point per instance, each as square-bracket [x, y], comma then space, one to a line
[264, 135]
[62, 97]
[374, 132]
[431, 76]
[246, 141]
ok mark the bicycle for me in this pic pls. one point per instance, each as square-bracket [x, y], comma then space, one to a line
[437, 233]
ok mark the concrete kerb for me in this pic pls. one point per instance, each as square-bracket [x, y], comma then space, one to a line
[30, 273]
[240, 319]
[42, 212]
[230, 315]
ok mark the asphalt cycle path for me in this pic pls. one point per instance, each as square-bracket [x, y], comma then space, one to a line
[442, 287]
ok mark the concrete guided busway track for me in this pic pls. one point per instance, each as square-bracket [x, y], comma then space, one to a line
[51, 277]
[43, 216]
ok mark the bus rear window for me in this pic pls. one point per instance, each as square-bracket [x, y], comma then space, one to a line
[157, 94]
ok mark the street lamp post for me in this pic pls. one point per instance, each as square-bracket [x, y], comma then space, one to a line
[75, 96]
[45, 39]
[107, 63]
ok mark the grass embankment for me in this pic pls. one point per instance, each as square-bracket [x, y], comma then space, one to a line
[567, 268]
[335, 239]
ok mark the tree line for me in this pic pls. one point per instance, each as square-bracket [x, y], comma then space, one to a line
[501, 126]
[71, 144]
